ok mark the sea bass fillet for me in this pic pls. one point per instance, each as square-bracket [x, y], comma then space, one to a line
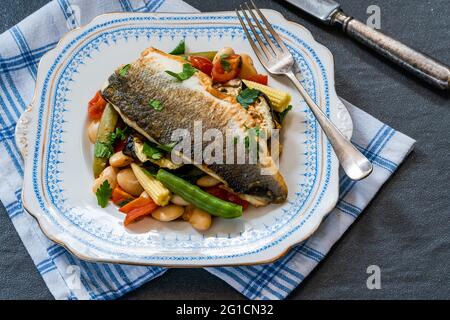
[185, 102]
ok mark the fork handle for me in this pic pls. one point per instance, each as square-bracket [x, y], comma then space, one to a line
[353, 162]
[418, 64]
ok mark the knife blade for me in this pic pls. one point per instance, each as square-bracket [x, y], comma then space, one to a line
[417, 63]
[321, 9]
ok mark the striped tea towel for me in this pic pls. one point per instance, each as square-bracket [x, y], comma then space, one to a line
[70, 278]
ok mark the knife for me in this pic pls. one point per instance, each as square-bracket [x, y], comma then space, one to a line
[417, 63]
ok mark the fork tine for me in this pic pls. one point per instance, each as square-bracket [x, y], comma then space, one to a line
[269, 27]
[258, 52]
[255, 33]
[264, 33]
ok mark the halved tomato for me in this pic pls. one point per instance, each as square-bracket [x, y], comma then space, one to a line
[201, 63]
[226, 68]
[96, 107]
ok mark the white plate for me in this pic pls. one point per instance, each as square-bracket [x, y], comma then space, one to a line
[58, 155]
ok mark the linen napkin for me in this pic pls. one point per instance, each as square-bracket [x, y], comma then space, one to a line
[70, 278]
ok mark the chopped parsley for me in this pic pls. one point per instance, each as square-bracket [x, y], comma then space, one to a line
[106, 149]
[156, 104]
[282, 115]
[103, 194]
[103, 150]
[123, 72]
[188, 71]
[224, 63]
[119, 134]
[152, 152]
[179, 49]
[247, 97]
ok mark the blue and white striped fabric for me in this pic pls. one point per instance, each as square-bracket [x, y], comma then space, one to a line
[70, 278]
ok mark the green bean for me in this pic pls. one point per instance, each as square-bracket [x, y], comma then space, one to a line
[106, 127]
[206, 54]
[198, 197]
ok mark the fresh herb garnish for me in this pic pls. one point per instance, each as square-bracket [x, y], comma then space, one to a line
[103, 194]
[188, 71]
[103, 150]
[282, 115]
[119, 134]
[156, 104]
[123, 72]
[224, 63]
[179, 49]
[247, 97]
[152, 152]
[235, 140]
[106, 149]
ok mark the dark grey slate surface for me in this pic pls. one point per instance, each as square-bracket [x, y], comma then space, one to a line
[406, 230]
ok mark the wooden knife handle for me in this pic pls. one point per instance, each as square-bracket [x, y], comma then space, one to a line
[419, 64]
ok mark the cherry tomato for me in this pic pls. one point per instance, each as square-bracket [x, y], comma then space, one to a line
[96, 107]
[259, 78]
[201, 63]
[227, 196]
[224, 74]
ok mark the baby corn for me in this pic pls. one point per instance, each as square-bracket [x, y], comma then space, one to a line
[155, 189]
[280, 100]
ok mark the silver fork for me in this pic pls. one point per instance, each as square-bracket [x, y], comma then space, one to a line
[277, 59]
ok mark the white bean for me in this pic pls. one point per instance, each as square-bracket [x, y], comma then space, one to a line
[120, 160]
[128, 182]
[168, 213]
[207, 181]
[92, 131]
[110, 174]
[200, 220]
[176, 199]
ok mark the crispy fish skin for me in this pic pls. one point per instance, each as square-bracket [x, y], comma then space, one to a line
[183, 103]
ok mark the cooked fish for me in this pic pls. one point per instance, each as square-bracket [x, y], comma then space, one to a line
[185, 102]
[261, 110]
